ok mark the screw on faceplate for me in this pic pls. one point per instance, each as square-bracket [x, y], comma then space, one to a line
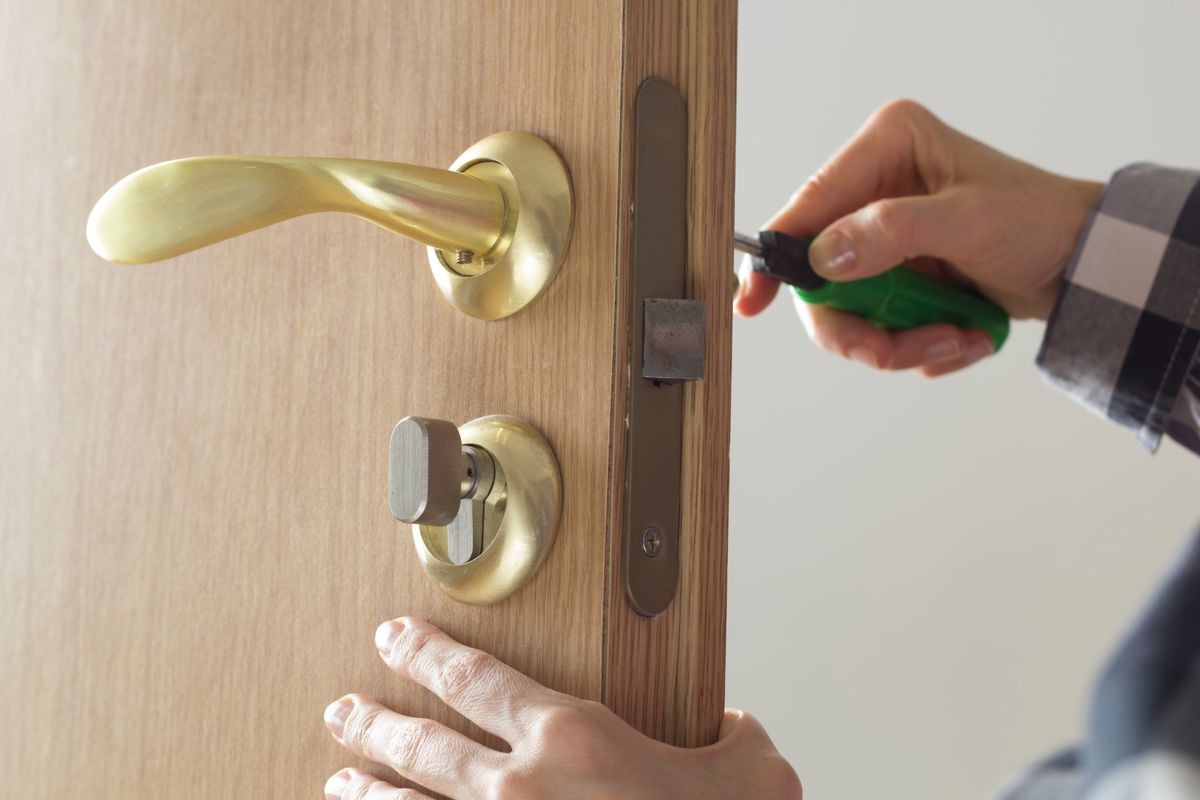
[652, 541]
[464, 256]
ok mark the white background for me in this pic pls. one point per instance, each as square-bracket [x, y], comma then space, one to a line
[926, 575]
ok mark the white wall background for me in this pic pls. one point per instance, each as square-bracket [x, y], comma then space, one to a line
[925, 576]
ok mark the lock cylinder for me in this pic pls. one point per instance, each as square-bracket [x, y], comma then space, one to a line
[436, 480]
[484, 501]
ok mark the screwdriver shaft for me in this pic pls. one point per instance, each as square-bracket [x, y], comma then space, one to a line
[747, 243]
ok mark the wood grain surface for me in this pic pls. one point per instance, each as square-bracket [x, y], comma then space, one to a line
[667, 674]
[195, 544]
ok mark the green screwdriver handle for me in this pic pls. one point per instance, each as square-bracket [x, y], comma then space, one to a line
[900, 299]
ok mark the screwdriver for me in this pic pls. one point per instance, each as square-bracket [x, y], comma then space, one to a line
[898, 299]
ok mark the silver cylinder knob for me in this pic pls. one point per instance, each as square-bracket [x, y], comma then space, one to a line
[429, 473]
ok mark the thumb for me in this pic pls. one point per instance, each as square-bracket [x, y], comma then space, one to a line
[885, 233]
[737, 726]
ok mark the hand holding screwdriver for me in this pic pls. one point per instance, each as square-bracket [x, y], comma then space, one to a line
[895, 300]
[909, 189]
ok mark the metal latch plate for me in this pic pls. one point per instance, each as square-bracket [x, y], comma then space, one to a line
[666, 347]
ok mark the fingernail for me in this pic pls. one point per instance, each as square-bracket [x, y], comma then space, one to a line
[832, 252]
[336, 785]
[386, 636]
[978, 349]
[745, 267]
[336, 715]
[946, 349]
[863, 355]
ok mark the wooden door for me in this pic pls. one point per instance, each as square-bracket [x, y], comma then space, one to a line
[195, 543]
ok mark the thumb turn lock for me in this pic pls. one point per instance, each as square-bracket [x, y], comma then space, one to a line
[484, 501]
[497, 223]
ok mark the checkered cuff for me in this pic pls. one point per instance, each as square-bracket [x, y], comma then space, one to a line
[1125, 331]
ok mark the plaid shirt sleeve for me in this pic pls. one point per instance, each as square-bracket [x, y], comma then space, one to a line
[1124, 334]
[1143, 733]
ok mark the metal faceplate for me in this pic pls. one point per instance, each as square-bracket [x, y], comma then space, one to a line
[658, 362]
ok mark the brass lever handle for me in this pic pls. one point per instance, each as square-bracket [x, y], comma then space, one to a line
[497, 222]
[174, 207]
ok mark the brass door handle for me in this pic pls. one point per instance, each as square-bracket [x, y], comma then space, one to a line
[497, 223]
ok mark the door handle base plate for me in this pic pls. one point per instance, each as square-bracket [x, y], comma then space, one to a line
[537, 230]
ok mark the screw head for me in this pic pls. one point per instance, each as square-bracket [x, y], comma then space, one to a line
[652, 541]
